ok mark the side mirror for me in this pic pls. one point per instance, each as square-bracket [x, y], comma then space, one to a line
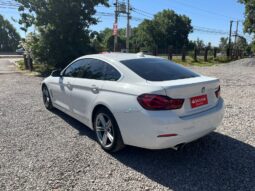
[56, 73]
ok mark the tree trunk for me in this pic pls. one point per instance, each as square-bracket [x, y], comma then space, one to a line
[25, 61]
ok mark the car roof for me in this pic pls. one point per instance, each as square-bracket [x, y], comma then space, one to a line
[119, 56]
[115, 60]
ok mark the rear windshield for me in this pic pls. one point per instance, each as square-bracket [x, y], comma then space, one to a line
[154, 69]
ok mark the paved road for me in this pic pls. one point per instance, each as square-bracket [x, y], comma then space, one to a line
[40, 150]
[10, 56]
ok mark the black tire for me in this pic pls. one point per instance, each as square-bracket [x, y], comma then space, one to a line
[46, 98]
[117, 142]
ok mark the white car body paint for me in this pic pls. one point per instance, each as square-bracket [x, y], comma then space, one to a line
[140, 127]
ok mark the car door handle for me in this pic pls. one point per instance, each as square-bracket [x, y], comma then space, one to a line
[94, 89]
[69, 85]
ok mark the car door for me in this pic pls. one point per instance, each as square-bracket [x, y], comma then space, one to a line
[64, 86]
[86, 88]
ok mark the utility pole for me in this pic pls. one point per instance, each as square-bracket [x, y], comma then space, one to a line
[229, 40]
[128, 25]
[236, 35]
[116, 25]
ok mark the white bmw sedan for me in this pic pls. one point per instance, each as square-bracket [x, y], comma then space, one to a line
[135, 99]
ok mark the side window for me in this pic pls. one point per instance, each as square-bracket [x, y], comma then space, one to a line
[94, 69]
[86, 68]
[74, 70]
[111, 74]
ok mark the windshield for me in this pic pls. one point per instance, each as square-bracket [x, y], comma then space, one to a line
[155, 69]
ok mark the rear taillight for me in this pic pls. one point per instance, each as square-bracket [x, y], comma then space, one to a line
[159, 102]
[217, 93]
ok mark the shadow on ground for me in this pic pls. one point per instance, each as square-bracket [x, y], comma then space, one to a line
[215, 162]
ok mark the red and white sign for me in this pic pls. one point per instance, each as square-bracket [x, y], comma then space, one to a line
[115, 29]
[198, 101]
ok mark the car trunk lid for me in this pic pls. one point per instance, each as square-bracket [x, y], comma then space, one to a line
[198, 93]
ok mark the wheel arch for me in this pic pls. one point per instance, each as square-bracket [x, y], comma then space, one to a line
[43, 85]
[96, 108]
[101, 105]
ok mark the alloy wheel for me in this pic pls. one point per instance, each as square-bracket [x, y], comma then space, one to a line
[46, 97]
[104, 130]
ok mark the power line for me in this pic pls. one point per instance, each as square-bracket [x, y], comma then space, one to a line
[142, 12]
[196, 28]
[137, 12]
[204, 10]
[210, 30]
[105, 14]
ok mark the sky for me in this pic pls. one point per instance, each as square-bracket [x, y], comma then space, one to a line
[210, 14]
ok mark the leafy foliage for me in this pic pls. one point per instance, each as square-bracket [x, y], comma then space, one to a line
[9, 37]
[105, 39]
[63, 28]
[223, 46]
[166, 29]
[249, 24]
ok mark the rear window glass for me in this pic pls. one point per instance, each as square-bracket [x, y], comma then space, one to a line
[154, 69]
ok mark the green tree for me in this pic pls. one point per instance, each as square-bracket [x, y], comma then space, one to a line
[9, 38]
[249, 23]
[63, 28]
[171, 29]
[166, 29]
[199, 44]
[241, 43]
[252, 45]
[145, 35]
[223, 46]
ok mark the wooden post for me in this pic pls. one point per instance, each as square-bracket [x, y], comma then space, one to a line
[170, 53]
[155, 51]
[183, 54]
[214, 53]
[206, 54]
[228, 53]
[195, 54]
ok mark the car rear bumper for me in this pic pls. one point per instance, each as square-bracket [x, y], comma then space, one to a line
[142, 128]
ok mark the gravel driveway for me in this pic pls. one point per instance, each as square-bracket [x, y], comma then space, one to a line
[40, 150]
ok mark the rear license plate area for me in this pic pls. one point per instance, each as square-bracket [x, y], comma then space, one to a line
[198, 101]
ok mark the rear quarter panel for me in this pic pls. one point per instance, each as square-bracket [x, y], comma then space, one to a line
[121, 97]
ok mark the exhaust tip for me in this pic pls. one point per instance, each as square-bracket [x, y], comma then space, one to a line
[179, 146]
